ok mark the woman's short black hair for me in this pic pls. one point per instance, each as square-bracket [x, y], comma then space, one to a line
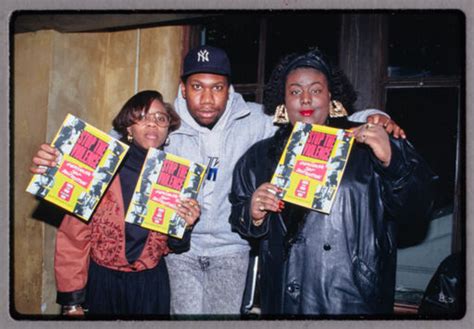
[339, 86]
[139, 103]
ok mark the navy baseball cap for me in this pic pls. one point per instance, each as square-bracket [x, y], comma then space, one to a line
[206, 59]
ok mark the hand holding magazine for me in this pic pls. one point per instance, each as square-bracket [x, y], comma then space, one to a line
[164, 179]
[88, 160]
[312, 165]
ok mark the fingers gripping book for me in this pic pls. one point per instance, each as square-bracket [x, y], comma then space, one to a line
[312, 164]
[164, 179]
[88, 160]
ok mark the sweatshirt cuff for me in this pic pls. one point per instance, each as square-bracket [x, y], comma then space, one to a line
[361, 116]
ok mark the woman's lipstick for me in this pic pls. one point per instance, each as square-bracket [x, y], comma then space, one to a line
[306, 113]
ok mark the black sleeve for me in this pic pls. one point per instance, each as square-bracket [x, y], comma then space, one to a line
[244, 184]
[77, 297]
[178, 246]
[408, 183]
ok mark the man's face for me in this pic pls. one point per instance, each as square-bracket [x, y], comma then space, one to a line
[206, 97]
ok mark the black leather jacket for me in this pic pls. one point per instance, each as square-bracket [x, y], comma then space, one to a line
[344, 262]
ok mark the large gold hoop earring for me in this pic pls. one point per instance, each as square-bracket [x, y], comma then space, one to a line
[281, 115]
[336, 109]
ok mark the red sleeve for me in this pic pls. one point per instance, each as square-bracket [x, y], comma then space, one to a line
[71, 258]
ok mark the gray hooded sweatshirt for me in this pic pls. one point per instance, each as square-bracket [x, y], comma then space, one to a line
[241, 125]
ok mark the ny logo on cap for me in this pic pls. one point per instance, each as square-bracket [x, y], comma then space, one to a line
[203, 56]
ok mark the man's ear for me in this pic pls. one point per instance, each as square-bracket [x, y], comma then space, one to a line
[129, 130]
[183, 90]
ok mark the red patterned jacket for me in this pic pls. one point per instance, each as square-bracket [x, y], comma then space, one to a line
[103, 240]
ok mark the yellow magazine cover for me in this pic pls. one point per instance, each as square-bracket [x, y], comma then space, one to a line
[164, 179]
[88, 160]
[312, 164]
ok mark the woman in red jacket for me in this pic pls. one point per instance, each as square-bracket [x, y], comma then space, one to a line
[108, 266]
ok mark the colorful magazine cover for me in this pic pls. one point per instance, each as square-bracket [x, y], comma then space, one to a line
[88, 160]
[312, 165]
[164, 179]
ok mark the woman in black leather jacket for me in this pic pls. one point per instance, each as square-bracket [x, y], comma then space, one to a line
[343, 262]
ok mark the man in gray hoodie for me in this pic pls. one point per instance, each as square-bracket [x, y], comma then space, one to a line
[217, 128]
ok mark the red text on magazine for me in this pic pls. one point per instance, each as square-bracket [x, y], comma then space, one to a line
[319, 145]
[89, 149]
[173, 175]
[315, 171]
[165, 198]
[80, 175]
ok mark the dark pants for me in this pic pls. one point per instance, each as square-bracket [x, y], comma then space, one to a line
[111, 292]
